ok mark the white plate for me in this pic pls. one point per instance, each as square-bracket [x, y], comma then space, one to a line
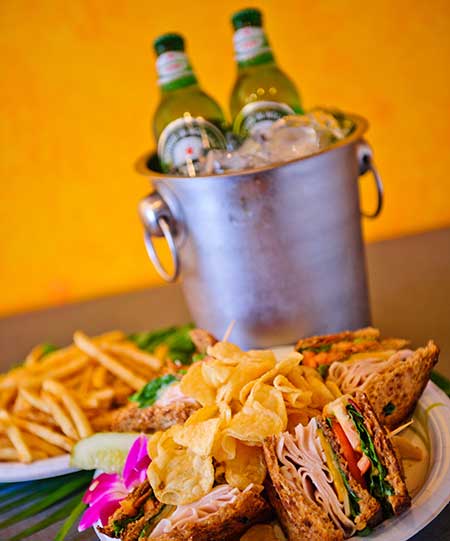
[11, 472]
[431, 417]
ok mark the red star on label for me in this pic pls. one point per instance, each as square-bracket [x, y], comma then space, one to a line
[189, 150]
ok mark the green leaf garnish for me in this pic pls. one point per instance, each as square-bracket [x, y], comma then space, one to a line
[317, 349]
[76, 511]
[48, 348]
[365, 532]
[66, 488]
[323, 370]
[378, 486]
[362, 339]
[150, 393]
[56, 516]
[177, 339]
[441, 381]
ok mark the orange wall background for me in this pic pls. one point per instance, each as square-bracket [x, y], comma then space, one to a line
[79, 87]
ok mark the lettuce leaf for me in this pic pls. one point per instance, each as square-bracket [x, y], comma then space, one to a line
[378, 486]
[150, 393]
[179, 344]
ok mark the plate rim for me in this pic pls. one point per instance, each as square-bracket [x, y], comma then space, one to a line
[47, 468]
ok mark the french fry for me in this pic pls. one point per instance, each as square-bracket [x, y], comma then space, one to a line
[131, 351]
[16, 438]
[34, 355]
[161, 352]
[139, 370]
[9, 454]
[20, 405]
[39, 454]
[78, 417]
[35, 442]
[86, 380]
[37, 416]
[109, 362]
[99, 377]
[60, 416]
[97, 399]
[33, 399]
[56, 358]
[45, 433]
[7, 396]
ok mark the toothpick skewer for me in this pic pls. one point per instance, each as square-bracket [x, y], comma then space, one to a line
[400, 428]
[228, 331]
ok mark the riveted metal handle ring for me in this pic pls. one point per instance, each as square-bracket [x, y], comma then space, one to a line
[364, 153]
[159, 222]
[165, 228]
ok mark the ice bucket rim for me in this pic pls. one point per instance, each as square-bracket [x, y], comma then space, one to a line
[361, 124]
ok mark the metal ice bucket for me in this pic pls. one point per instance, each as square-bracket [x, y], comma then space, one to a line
[277, 249]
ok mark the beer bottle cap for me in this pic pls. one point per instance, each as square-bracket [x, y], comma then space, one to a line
[168, 42]
[247, 17]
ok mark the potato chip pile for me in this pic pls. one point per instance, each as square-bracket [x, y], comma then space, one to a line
[245, 397]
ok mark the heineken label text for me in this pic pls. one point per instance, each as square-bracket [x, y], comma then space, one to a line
[185, 140]
[259, 115]
[249, 42]
[172, 65]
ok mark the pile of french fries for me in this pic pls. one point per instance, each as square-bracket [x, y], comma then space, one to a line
[49, 403]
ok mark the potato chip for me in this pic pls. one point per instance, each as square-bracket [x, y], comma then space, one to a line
[283, 367]
[248, 466]
[321, 395]
[270, 398]
[193, 384]
[226, 352]
[333, 388]
[254, 424]
[224, 447]
[293, 396]
[181, 478]
[162, 442]
[203, 414]
[199, 437]
[244, 374]
[215, 372]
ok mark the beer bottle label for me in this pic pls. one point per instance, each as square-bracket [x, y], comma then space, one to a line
[184, 140]
[172, 65]
[258, 116]
[249, 42]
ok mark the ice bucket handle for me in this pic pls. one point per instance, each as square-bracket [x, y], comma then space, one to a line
[158, 222]
[365, 160]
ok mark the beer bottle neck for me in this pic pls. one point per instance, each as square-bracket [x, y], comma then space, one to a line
[174, 71]
[251, 47]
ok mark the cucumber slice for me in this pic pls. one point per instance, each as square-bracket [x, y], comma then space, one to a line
[105, 451]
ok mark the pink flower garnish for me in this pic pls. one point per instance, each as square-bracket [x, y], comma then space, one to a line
[107, 490]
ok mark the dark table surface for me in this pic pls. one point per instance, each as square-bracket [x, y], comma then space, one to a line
[409, 282]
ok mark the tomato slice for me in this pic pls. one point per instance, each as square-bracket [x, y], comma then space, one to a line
[349, 454]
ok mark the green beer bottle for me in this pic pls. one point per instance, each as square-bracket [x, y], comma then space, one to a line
[262, 93]
[187, 121]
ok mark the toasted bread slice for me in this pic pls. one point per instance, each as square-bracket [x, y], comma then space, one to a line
[134, 512]
[371, 513]
[400, 500]
[326, 349]
[301, 518]
[227, 524]
[395, 392]
[153, 418]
